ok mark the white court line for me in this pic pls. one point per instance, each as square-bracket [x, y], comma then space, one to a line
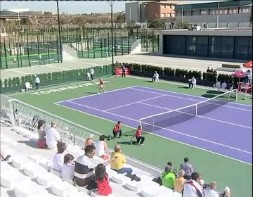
[204, 117]
[95, 94]
[138, 86]
[133, 103]
[160, 136]
[57, 67]
[188, 98]
[191, 136]
[17, 71]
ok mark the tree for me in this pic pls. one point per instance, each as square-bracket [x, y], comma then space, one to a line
[155, 23]
[120, 18]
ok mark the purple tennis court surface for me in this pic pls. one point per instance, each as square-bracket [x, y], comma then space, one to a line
[226, 130]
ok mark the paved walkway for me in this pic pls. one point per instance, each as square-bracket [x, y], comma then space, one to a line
[156, 60]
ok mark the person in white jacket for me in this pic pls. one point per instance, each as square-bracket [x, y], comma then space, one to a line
[52, 137]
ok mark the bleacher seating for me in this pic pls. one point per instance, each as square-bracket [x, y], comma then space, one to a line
[29, 173]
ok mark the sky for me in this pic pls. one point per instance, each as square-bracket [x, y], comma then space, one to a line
[74, 7]
[71, 7]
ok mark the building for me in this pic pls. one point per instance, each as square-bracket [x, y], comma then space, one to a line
[159, 10]
[227, 14]
[214, 43]
[132, 12]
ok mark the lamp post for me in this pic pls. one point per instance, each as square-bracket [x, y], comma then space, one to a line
[217, 17]
[59, 29]
[111, 4]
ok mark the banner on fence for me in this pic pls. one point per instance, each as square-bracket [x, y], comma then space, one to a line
[118, 71]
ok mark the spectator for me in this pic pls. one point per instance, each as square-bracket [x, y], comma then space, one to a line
[155, 77]
[84, 166]
[123, 71]
[101, 148]
[211, 70]
[37, 82]
[42, 134]
[248, 76]
[217, 85]
[118, 161]
[52, 136]
[224, 86]
[117, 130]
[88, 76]
[210, 190]
[103, 186]
[28, 86]
[192, 82]
[88, 141]
[140, 139]
[58, 159]
[187, 167]
[92, 73]
[179, 182]
[68, 168]
[208, 70]
[169, 164]
[192, 188]
[168, 177]
[226, 192]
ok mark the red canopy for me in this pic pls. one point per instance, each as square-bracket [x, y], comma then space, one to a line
[248, 64]
[239, 73]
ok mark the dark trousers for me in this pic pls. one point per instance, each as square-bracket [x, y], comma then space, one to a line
[123, 74]
[91, 76]
[140, 139]
[190, 85]
[37, 86]
[117, 132]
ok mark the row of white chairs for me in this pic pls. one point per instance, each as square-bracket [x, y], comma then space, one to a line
[36, 169]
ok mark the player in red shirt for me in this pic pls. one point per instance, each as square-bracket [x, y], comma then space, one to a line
[101, 86]
[140, 139]
[117, 130]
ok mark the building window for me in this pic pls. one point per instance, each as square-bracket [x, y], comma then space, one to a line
[220, 11]
[163, 15]
[245, 10]
[225, 11]
[212, 12]
[203, 12]
[163, 6]
[235, 11]
[231, 11]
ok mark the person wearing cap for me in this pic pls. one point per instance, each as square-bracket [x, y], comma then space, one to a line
[192, 187]
[155, 77]
[210, 191]
[168, 177]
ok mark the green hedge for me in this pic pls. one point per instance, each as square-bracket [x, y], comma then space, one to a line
[16, 83]
[181, 75]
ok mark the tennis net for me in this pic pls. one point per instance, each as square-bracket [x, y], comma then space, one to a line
[166, 119]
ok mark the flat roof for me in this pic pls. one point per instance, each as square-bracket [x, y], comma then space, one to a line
[207, 32]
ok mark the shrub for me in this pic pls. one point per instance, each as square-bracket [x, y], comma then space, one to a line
[169, 72]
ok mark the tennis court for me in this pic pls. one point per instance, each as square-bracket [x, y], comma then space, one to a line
[215, 125]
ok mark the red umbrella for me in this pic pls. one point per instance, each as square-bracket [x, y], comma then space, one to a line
[239, 74]
[248, 64]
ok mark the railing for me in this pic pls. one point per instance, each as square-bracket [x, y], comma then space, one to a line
[18, 113]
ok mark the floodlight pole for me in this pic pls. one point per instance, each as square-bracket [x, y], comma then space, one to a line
[59, 29]
[217, 17]
[111, 4]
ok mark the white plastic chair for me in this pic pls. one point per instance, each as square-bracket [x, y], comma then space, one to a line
[28, 86]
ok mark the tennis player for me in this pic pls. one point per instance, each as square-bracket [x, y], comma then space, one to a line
[139, 138]
[117, 130]
[101, 86]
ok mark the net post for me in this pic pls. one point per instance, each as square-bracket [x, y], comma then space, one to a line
[196, 110]
[153, 124]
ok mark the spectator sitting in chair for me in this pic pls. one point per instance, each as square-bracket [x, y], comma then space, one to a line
[187, 167]
[118, 161]
[52, 137]
[155, 77]
[101, 148]
[208, 70]
[28, 86]
[192, 187]
[192, 82]
[224, 86]
[168, 177]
